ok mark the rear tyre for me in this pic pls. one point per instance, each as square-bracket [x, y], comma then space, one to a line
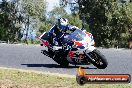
[62, 61]
[59, 58]
[98, 59]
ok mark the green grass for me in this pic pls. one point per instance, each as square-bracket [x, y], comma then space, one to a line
[12, 78]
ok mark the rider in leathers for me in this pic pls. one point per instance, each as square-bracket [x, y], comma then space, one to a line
[58, 30]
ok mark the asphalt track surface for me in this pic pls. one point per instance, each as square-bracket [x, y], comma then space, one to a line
[31, 58]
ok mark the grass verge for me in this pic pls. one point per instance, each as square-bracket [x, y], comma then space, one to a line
[13, 78]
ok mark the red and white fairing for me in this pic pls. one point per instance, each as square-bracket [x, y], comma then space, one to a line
[87, 43]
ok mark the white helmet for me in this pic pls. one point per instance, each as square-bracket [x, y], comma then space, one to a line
[62, 22]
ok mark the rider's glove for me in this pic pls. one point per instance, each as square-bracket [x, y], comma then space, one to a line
[73, 28]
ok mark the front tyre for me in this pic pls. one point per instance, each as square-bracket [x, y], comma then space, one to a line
[98, 59]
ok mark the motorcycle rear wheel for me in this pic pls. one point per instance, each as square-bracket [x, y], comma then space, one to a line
[58, 58]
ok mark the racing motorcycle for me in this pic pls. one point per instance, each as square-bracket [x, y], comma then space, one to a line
[77, 49]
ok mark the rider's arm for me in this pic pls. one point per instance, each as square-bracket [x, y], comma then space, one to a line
[71, 28]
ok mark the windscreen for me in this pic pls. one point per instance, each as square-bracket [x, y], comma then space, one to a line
[77, 35]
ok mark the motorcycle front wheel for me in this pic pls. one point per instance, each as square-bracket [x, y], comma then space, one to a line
[98, 59]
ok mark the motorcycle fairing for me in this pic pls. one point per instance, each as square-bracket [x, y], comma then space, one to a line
[44, 39]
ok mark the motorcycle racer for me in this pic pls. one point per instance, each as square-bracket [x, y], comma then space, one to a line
[76, 46]
[58, 30]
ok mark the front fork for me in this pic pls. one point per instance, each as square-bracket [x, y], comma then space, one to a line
[88, 50]
[89, 57]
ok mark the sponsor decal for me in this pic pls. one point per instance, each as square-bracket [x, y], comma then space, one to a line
[83, 78]
[70, 54]
[78, 43]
